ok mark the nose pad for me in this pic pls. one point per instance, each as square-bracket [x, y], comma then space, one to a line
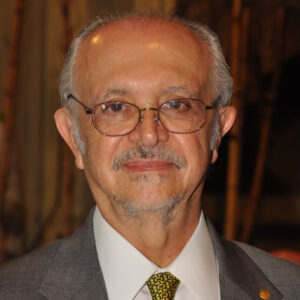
[156, 119]
[156, 116]
[149, 133]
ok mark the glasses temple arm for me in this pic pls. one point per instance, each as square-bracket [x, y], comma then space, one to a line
[87, 109]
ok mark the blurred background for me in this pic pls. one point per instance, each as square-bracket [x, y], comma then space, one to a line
[252, 192]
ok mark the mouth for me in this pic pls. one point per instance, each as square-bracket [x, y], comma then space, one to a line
[147, 165]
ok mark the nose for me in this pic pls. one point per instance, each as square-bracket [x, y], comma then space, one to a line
[149, 131]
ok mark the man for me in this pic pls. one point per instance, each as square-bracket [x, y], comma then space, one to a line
[145, 106]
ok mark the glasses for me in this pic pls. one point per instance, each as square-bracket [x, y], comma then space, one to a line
[117, 118]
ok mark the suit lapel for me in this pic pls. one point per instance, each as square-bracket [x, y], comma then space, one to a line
[240, 277]
[75, 272]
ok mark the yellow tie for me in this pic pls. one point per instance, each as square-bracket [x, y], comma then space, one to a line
[163, 286]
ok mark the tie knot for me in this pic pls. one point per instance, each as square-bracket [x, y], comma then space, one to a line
[163, 286]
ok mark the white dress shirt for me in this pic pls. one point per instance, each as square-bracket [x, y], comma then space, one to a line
[126, 270]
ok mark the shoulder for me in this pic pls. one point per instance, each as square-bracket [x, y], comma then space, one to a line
[59, 263]
[22, 275]
[252, 269]
[283, 274]
[273, 266]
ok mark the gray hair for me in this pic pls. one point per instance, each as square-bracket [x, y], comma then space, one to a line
[220, 78]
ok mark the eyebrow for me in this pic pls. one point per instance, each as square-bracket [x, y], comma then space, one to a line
[181, 88]
[174, 89]
[169, 89]
[115, 92]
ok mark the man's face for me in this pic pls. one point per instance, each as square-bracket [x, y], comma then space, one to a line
[150, 168]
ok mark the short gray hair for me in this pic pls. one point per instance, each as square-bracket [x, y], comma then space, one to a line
[220, 77]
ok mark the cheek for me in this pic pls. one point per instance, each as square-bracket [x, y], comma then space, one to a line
[198, 156]
[100, 151]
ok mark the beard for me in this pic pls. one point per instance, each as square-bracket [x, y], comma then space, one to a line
[164, 211]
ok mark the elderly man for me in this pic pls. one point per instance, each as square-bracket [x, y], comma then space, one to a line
[145, 106]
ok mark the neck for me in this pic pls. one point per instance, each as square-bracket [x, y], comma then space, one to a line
[158, 236]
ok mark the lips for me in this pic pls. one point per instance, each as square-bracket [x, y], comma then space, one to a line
[147, 165]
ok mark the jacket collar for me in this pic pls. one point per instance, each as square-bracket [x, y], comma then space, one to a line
[75, 272]
[240, 277]
[80, 276]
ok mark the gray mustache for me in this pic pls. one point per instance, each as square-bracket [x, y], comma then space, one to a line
[157, 152]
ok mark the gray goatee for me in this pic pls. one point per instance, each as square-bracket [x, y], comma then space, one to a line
[165, 211]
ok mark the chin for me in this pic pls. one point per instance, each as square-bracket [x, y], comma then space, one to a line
[152, 204]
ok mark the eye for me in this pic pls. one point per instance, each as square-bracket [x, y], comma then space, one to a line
[113, 107]
[178, 105]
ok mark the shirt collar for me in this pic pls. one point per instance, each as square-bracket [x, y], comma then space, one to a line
[126, 270]
[196, 265]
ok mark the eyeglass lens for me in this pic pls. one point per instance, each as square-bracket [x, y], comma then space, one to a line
[120, 118]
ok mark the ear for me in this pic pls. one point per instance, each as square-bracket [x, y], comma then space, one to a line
[227, 116]
[65, 126]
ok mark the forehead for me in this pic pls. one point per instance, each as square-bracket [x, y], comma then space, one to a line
[138, 48]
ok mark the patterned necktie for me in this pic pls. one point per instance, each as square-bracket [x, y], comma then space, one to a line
[163, 286]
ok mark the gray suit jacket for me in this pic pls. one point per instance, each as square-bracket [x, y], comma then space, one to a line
[69, 269]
